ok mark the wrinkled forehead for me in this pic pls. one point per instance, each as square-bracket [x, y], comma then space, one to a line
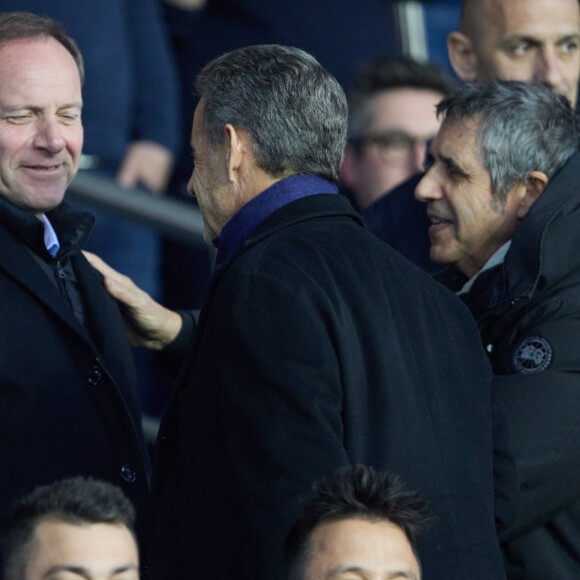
[459, 139]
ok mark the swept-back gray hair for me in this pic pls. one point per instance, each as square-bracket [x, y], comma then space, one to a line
[523, 127]
[294, 111]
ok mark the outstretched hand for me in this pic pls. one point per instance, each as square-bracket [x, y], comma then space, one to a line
[150, 325]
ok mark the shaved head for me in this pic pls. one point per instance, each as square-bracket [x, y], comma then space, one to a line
[527, 40]
[472, 16]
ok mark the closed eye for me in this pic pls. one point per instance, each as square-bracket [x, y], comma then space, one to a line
[18, 118]
[453, 170]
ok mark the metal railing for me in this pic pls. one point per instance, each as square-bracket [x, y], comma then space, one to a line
[170, 217]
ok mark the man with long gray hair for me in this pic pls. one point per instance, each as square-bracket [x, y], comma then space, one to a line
[503, 197]
[317, 345]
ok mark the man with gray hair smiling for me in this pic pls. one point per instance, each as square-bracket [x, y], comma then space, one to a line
[503, 197]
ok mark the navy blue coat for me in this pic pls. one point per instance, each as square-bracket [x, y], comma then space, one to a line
[318, 346]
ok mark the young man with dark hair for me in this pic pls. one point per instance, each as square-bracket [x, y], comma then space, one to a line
[78, 526]
[362, 519]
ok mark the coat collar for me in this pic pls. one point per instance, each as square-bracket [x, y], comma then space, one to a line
[72, 227]
[22, 235]
[545, 246]
[305, 209]
[249, 217]
[17, 261]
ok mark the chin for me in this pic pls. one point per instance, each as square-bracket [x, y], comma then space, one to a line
[438, 256]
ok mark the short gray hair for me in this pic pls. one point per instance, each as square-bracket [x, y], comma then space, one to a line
[294, 111]
[523, 127]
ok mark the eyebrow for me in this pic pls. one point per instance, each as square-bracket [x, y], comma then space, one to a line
[72, 106]
[84, 572]
[520, 38]
[7, 109]
[514, 38]
[358, 570]
[574, 36]
[452, 164]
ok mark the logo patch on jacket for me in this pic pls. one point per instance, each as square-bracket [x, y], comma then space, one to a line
[532, 355]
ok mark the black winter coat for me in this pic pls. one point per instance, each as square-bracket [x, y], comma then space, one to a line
[68, 401]
[528, 311]
[319, 346]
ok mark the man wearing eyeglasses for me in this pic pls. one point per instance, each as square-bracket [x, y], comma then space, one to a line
[391, 119]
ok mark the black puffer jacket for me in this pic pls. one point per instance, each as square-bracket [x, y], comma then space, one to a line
[528, 312]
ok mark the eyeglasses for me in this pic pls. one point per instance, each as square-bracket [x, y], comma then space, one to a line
[394, 147]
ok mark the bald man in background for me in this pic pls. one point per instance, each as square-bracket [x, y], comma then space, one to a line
[526, 40]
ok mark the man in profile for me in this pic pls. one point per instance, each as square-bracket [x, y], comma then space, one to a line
[503, 197]
[363, 522]
[317, 345]
[76, 527]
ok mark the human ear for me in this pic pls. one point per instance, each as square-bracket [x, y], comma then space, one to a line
[348, 171]
[235, 147]
[534, 186]
[462, 56]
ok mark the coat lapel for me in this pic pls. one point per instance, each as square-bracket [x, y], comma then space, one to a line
[17, 261]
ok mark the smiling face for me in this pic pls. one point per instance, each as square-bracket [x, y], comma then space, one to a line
[530, 40]
[356, 549]
[468, 223]
[41, 134]
[64, 551]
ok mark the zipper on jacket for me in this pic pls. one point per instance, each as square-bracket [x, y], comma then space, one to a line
[61, 273]
[61, 276]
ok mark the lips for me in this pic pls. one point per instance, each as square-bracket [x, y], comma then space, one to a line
[438, 223]
[43, 169]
